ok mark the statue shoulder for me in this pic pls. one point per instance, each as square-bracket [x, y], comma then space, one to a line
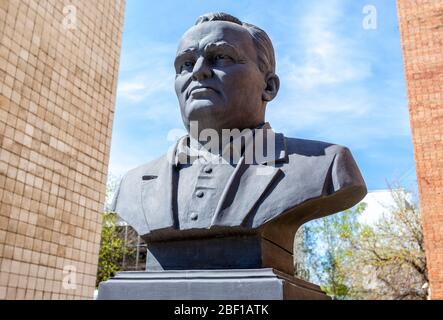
[151, 167]
[320, 178]
[311, 148]
[127, 198]
[332, 162]
[133, 178]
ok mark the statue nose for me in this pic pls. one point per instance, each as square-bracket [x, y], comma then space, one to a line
[201, 70]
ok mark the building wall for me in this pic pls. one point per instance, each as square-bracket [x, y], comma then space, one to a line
[421, 27]
[58, 72]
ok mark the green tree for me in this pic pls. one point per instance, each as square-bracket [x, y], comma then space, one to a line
[383, 260]
[328, 246]
[112, 246]
[389, 259]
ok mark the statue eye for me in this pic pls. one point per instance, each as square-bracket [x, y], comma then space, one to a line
[220, 57]
[221, 60]
[187, 65]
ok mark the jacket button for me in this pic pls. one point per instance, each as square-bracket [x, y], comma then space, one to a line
[200, 194]
[194, 216]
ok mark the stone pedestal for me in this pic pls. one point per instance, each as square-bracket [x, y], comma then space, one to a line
[237, 284]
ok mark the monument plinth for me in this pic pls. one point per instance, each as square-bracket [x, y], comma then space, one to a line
[246, 284]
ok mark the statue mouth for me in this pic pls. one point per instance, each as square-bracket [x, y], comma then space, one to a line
[200, 91]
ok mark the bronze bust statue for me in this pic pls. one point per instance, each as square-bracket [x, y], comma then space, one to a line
[197, 206]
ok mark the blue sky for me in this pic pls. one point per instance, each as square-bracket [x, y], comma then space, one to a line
[340, 82]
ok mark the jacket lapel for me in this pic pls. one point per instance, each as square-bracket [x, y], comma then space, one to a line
[246, 187]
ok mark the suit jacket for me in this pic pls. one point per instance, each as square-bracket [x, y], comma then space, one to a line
[307, 180]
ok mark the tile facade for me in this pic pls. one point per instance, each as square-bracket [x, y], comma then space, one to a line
[58, 74]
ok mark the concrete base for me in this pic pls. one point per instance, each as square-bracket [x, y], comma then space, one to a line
[238, 284]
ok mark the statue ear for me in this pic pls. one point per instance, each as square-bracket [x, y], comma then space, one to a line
[272, 86]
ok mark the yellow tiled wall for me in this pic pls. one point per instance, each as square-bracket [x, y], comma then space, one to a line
[58, 73]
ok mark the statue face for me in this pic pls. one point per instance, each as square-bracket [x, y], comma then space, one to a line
[218, 81]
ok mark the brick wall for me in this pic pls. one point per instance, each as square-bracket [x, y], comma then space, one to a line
[57, 88]
[421, 27]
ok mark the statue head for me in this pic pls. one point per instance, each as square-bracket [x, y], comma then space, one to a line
[225, 73]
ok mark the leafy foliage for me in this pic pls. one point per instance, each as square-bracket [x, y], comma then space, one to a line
[384, 260]
[327, 246]
[111, 248]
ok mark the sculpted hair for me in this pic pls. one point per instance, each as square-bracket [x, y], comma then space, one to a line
[263, 44]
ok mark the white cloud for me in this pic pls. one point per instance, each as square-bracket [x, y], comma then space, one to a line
[329, 89]
[328, 57]
[145, 55]
[381, 202]
[320, 71]
[147, 71]
[145, 86]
